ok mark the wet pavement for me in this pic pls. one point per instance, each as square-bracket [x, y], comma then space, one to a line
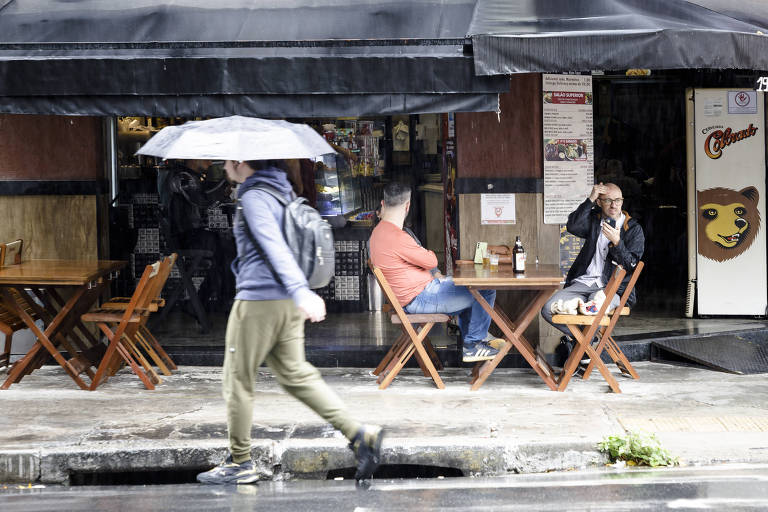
[51, 432]
[727, 487]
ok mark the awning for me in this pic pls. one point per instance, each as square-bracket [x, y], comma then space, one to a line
[274, 58]
[520, 36]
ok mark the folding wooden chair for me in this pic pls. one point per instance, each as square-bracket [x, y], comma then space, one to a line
[584, 328]
[605, 333]
[120, 328]
[143, 337]
[413, 340]
[10, 322]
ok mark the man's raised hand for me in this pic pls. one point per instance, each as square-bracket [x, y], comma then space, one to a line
[597, 189]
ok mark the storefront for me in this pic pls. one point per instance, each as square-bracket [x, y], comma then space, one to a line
[417, 91]
[379, 81]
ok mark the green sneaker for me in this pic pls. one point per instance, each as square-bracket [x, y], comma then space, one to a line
[230, 473]
[367, 448]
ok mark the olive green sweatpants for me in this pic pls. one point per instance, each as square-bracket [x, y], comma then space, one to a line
[272, 331]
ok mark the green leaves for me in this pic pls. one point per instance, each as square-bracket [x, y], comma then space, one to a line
[636, 449]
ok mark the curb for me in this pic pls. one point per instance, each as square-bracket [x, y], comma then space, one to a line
[296, 459]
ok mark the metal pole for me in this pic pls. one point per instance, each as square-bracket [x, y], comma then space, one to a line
[690, 137]
[110, 127]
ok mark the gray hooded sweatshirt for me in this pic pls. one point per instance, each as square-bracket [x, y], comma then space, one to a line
[254, 279]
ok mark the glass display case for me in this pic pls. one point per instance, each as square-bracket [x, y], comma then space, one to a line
[338, 190]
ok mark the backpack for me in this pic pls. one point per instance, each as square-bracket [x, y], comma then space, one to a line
[307, 234]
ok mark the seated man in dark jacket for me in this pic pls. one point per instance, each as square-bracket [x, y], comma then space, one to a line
[604, 248]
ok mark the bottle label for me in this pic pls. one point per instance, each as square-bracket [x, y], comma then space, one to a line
[520, 262]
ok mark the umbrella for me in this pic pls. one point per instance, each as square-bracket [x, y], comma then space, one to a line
[236, 138]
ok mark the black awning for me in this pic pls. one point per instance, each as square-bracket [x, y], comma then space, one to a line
[256, 105]
[177, 57]
[522, 36]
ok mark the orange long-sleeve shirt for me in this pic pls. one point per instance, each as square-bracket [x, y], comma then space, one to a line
[404, 264]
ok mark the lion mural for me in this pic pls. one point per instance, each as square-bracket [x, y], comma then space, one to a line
[728, 221]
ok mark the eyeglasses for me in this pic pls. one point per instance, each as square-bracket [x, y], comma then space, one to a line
[618, 201]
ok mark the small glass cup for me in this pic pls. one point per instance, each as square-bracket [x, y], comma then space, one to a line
[486, 258]
[493, 261]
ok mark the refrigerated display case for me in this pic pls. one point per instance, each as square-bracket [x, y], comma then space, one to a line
[338, 190]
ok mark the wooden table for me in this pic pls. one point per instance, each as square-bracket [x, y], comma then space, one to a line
[43, 280]
[544, 279]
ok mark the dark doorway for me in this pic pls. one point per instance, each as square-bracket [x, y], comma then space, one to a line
[640, 145]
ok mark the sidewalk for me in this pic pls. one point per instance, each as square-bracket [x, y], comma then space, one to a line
[49, 430]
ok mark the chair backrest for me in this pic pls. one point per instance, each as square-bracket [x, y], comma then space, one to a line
[166, 265]
[390, 295]
[10, 253]
[142, 296]
[625, 295]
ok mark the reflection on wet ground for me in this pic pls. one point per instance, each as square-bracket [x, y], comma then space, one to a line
[738, 487]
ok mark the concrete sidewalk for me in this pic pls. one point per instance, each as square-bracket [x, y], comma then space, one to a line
[50, 431]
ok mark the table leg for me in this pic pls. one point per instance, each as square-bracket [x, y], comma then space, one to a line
[513, 333]
[47, 312]
[42, 338]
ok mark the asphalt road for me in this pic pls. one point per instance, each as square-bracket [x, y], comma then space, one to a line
[724, 487]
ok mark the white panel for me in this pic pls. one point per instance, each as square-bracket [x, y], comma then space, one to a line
[730, 183]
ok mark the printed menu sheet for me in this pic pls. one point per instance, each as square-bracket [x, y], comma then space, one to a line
[569, 168]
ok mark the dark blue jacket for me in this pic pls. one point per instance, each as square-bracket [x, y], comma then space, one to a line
[584, 222]
[254, 278]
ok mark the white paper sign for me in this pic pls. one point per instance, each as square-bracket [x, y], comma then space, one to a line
[730, 205]
[497, 208]
[742, 102]
[569, 170]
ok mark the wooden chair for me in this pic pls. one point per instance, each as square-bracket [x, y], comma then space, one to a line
[120, 328]
[143, 337]
[605, 332]
[413, 340]
[10, 322]
[584, 327]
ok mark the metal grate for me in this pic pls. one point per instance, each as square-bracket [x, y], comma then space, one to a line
[728, 353]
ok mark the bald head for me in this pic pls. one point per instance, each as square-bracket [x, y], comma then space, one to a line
[611, 200]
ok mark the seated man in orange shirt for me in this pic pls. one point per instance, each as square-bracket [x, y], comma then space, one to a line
[406, 266]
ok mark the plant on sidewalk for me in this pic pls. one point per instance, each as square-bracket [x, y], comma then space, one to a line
[636, 449]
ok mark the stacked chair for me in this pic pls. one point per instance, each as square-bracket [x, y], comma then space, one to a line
[123, 321]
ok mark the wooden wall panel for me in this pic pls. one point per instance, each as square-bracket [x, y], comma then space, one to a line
[36, 147]
[505, 146]
[51, 226]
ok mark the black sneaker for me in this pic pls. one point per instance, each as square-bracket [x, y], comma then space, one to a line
[230, 473]
[479, 352]
[367, 448]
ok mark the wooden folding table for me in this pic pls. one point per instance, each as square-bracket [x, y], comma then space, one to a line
[544, 279]
[43, 281]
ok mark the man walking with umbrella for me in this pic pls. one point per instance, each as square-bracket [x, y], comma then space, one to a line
[266, 324]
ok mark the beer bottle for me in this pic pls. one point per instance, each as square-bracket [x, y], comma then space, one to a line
[518, 256]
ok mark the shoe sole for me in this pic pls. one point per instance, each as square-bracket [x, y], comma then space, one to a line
[374, 461]
[475, 359]
[234, 480]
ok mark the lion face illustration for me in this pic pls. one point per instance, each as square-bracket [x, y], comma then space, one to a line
[728, 221]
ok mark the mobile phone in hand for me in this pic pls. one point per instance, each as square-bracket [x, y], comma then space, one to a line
[611, 222]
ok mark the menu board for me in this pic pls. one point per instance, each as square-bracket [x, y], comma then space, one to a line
[569, 169]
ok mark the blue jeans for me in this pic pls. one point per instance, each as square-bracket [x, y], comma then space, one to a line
[442, 296]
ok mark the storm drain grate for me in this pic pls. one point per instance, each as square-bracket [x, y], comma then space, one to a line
[394, 471]
[696, 424]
